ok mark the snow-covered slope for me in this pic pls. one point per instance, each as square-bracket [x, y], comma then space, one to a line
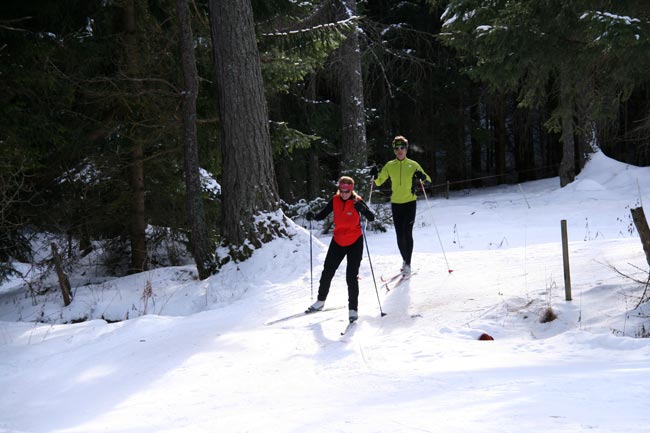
[198, 357]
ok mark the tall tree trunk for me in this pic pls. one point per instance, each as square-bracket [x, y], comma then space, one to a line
[477, 159]
[283, 176]
[567, 165]
[314, 176]
[136, 169]
[248, 184]
[350, 75]
[501, 138]
[199, 237]
[138, 224]
[536, 138]
[314, 179]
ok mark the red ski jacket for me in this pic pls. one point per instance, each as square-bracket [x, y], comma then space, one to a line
[347, 222]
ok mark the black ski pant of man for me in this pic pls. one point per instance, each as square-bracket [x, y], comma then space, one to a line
[403, 220]
[335, 255]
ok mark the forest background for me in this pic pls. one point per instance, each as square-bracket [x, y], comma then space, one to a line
[138, 126]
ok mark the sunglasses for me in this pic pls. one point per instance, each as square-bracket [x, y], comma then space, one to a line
[400, 147]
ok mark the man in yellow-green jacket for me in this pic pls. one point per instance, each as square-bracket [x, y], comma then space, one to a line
[402, 172]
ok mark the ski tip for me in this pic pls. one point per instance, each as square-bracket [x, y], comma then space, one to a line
[347, 328]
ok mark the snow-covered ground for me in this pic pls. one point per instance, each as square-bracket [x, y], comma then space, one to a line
[200, 357]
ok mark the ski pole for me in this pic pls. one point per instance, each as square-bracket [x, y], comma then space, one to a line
[449, 270]
[365, 240]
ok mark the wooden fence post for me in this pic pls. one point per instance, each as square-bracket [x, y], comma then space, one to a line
[63, 278]
[638, 216]
[565, 257]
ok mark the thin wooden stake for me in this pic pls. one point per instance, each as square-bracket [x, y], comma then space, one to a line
[638, 216]
[63, 278]
[565, 257]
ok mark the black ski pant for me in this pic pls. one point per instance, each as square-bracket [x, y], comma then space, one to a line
[333, 259]
[403, 220]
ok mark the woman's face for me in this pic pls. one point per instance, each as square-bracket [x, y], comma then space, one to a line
[345, 190]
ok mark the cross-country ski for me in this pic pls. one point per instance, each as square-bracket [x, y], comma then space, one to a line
[397, 281]
[303, 314]
[392, 278]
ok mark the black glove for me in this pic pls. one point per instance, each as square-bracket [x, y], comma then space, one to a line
[416, 188]
[374, 171]
[419, 175]
[309, 215]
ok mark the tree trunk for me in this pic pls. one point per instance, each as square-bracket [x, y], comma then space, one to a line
[136, 169]
[283, 176]
[138, 225]
[313, 164]
[350, 76]
[248, 184]
[501, 138]
[536, 138]
[477, 159]
[314, 168]
[199, 237]
[567, 165]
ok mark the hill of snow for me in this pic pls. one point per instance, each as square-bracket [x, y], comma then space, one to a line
[198, 356]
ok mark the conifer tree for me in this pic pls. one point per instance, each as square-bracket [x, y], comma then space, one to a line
[533, 46]
[354, 147]
[202, 248]
[250, 195]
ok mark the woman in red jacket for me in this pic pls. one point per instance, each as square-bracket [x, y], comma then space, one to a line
[347, 241]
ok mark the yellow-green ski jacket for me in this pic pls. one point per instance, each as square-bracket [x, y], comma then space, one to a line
[401, 177]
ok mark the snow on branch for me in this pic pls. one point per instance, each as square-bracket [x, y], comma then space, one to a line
[342, 23]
